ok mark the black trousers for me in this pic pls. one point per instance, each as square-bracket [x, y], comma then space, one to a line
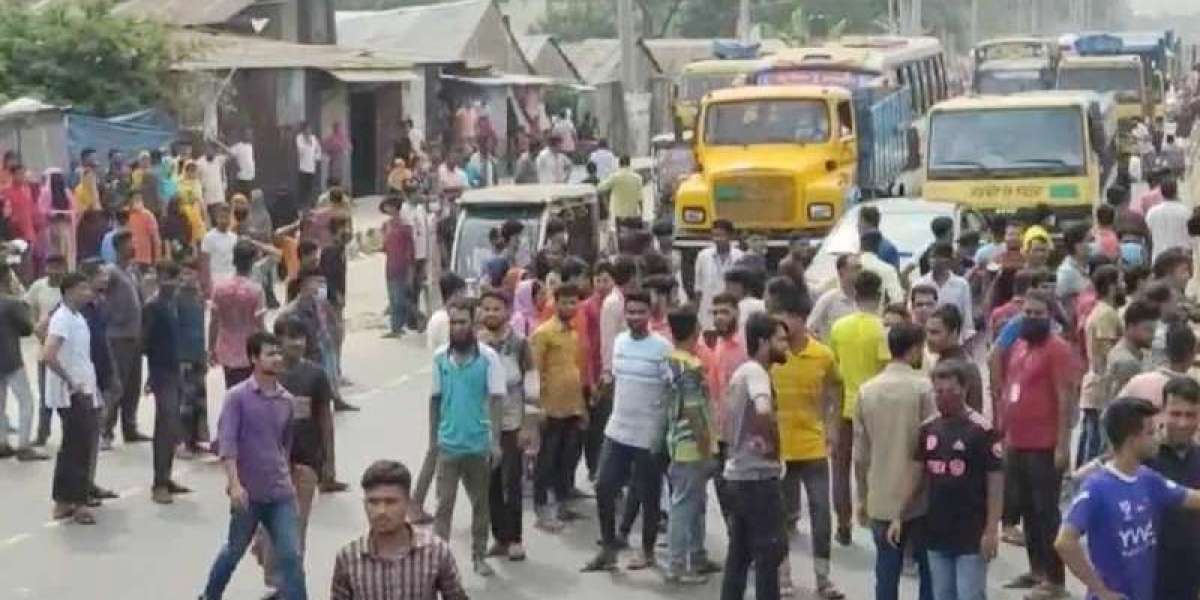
[127, 357]
[167, 388]
[557, 459]
[617, 462]
[756, 536]
[306, 194]
[72, 467]
[504, 493]
[45, 415]
[593, 441]
[1037, 485]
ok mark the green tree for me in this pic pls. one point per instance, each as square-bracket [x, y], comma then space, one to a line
[84, 57]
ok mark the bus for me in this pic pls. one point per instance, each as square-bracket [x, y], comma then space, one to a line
[1013, 65]
[701, 77]
[1005, 153]
[918, 63]
[1159, 52]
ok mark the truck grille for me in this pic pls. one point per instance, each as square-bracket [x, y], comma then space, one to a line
[756, 198]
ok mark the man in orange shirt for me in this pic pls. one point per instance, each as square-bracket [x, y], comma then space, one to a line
[143, 227]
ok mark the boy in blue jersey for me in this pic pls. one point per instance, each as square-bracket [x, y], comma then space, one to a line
[1118, 509]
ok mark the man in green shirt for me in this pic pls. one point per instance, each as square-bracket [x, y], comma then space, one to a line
[625, 195]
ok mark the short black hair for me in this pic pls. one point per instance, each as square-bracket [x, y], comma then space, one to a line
[244, 255]
[683, 322]
[450, 284]
[1022, 281]
[842, 261]
[950, 316]
[70, 280]
[306, 247]
[1185, 388]
[923, 289]
[997, 224]
[121, 239]
[566, 290]
[166, 269]
[725, 225]
[554, 226]
[662, 227]
[1157, 292]
[866, 286]
[1126, 418]
[655, 263]
[467, 304]
[941, 226]
[1105, 215]
[904, 337]
[290, 327]
[659, 282]
[602, 265]
[1116, 195]
[759, 329]
[952, 369]
[725, 298]
[624, 269]
[1169, 189]
[869, 215]
[495, 294]
[1105, 278]
[1169, 260]
[511, 228]
[638, 296]
[1140, 311]
[259, 340]
[1180, 343]
[572, 267]
[1075, 234]
[787, 298]
[384, 473]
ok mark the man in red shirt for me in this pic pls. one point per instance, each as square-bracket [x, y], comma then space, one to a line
[1039, 387]
[588, 323]
[399, 250]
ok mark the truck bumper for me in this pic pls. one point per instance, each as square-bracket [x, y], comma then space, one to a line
[775, 239]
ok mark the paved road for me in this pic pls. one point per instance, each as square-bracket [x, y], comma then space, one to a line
[143, 551]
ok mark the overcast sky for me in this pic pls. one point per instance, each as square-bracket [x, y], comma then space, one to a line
[1165, 6]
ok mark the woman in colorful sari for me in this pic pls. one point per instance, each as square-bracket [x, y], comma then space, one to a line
[91, 223]
[57, 204]
[191, 203]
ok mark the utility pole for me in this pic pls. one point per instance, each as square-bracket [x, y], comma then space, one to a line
[974, 22]
[915, 27]
[628, 46]
[743, 21]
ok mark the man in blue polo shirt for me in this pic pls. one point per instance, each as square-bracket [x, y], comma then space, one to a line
[469, 384]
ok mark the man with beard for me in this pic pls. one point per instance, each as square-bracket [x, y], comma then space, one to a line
[634, 435]
[943, 332]
[469, 386]
[505, 488]
[756, 521]
[1039, 390]
[1178, 459]
[728, 352]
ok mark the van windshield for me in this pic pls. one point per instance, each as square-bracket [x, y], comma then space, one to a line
[694, 86]
[1013, 142]
[1123, 81]
[775, 121]
[472, 250]
[1009, 82]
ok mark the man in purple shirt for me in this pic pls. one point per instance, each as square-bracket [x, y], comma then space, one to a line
[255, 435]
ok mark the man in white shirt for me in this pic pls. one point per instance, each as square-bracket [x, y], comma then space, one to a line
[71, 390]
[308, 158]
[414, 213]
[218, 244]
[211, 168]
[552, 165]
[604, 159]
[243, 158]
[1168, 221]
[711, 265]
[838, 301]
[952, 289]
[869, 245]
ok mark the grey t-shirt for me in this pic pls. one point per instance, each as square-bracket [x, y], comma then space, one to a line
[513, 352]
[753, 437]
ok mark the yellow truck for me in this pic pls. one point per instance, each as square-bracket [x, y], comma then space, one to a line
[1122, 75]
[1005, 153]
[701, 77]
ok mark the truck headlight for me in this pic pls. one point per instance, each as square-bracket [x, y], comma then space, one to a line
[693, 215]
[820, 212]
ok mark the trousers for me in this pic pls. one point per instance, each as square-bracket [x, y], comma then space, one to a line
[814, 476]
[474, 471]
[282, 522]
[689, 508]
[167, 387]
[843, 456]
[617, 462]
[889, 559]
[398, 300]
[961, 577]
[756, 537]
[429, 463]
[1037, 484]
[127, 358]
[556, 460]
[18, 382]
[304, 479]
[73, 464]
[504, 491]
[193, 403]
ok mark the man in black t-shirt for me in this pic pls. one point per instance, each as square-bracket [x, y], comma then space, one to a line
[312, 395]
[959, 456]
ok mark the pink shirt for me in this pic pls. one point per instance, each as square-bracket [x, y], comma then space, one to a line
[237, 303]
[1149, 386]
[727, 355]
[1147, 201]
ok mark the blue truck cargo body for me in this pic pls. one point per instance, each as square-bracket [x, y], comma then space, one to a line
[883, 118]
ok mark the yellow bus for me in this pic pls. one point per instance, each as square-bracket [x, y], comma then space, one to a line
[1004, 153]
[1013, 65]
[701, 77]
[1122, 75]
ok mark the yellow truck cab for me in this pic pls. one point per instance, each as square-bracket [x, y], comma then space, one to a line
[1122, 75]
[1005, 153]
[771, 159]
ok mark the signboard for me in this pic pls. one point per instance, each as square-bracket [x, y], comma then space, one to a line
[845, 79]
[1010, 51]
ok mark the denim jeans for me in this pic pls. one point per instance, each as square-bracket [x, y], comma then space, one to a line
[282, 521]
[167, 386]
[685, 520]
[814, 476]
[958, 577]
[617, 462]
[398, 297]
[556, 460]
[756, 536]
[889, 560]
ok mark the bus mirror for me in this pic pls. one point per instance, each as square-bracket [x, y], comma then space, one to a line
[913, 138]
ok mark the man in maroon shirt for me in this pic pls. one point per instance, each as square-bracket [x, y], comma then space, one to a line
[400, 252]
[1039, 387]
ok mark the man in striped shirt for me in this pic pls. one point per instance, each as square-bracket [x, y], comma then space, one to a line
[395, 560]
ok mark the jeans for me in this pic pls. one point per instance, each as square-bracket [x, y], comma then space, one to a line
[127, 357]
[282, 521]
[73, 465]
[889, 560]
[18, 381]
[429, 463]
[961, 577]
[617, 462]
[304, 479]
[685, 520]
[814, 476]
[556, 460]
[756, 536]
[193, 403]
[398, 298]
[1091, 437]
[474, 471]
[598, 412]
[167, 388]
[1036, 485]
[505, 491]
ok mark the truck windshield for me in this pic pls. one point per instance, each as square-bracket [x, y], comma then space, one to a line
[1006, 142]
[694, 86]
[472, 249]
[1121, 80]
[1008, 82]
[782, 121]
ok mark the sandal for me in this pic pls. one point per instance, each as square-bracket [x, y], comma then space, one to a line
[827, 591]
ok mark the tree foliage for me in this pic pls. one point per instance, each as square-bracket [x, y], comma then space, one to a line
[84, 57]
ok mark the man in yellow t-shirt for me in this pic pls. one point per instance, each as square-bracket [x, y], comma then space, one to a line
[806, 399]
[859, 344]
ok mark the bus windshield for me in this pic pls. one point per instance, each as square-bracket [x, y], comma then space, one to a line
[1009, 82]
[1124, 81]
[694, 86]
[1014, 142]
[775, 121]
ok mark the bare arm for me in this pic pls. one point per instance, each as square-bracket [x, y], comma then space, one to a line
[908, 491]
[990, 543]
[1066, 412]
[1073, 556]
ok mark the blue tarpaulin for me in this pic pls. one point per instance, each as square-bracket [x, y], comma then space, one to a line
[130, 133]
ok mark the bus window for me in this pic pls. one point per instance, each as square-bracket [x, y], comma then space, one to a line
[845, 118]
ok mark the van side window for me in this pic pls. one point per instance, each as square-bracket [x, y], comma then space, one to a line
[845, 113]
